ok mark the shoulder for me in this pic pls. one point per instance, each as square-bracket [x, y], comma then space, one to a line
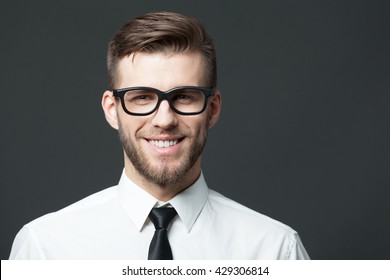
[256, 235]
[93, 202]
[241, 215]
[38, 239]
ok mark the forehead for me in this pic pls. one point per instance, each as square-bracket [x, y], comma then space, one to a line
[162, 71]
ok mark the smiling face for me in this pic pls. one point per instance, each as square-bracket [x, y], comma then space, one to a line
[162, 150]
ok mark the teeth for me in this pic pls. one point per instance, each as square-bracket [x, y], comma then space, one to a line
[163, 144]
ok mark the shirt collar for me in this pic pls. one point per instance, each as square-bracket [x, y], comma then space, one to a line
[137, 202]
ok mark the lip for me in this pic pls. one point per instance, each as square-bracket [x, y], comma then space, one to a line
[165, 138]
[164, 151]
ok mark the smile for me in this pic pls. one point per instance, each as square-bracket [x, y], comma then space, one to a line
[163, 144]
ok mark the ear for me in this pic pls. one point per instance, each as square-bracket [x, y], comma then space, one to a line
[215, 108]
[109, 108]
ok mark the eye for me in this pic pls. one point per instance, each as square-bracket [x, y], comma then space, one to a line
[186, 96]
[140, 97]
[143, 97]
[183, 96]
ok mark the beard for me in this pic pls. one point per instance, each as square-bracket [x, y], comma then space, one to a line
[164, 174]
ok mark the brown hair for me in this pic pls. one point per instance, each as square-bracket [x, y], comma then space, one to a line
[161, 32]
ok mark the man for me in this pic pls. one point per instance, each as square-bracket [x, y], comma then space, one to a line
[162, 75]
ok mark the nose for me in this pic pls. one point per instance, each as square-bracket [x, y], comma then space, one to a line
[164, 117]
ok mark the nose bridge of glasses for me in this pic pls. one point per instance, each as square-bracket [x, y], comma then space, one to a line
[164, 96]
[164, 114]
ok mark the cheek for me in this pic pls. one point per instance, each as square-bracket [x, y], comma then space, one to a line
[130, 125]
[197, 126]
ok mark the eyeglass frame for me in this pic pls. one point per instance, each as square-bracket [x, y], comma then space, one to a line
[164, 95]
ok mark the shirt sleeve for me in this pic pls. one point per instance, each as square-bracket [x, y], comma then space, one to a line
[297, 251]
[26, 246]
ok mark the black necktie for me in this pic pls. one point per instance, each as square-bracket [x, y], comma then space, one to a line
[159, 247]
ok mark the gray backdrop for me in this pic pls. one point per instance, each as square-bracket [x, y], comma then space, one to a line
[303, 136]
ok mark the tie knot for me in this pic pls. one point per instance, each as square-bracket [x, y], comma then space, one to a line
[162, 217]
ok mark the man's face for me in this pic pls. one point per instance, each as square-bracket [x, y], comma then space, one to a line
[163, 147]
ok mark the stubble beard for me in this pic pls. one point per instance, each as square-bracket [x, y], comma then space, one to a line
[163, 175]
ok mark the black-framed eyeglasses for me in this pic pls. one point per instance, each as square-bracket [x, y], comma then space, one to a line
[142, 101]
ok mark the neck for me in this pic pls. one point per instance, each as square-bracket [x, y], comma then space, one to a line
[162, 192]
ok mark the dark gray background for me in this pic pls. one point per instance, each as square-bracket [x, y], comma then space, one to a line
[303, 137]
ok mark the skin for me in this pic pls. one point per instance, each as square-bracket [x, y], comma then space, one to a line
[162, 71]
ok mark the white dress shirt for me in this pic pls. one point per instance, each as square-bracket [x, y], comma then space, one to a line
[114, 224]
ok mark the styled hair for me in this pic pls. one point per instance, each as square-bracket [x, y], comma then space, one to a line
[164, 32]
